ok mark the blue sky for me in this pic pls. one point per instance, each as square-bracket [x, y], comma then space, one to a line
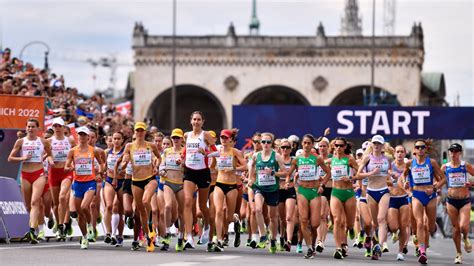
[77, 30]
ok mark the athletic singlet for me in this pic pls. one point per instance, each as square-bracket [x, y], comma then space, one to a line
[339, 168]
[267, 182]
[194, 159]
[421, 174]
[398, 171]
[83, 164]
[112, 158]
[378, 162]
[456, 177]
[287, 167]
[307, 168]
[60, 149]
[170, 158]
[33, 147]
[141, 158]
[225, 161]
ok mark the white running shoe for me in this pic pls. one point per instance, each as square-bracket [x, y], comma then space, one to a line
[400, 257]
[205, 235]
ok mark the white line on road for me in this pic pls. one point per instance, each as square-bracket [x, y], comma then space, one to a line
[223, 257]
[40, 246]
[179, 263]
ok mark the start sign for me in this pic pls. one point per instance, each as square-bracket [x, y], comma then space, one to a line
[356, 121]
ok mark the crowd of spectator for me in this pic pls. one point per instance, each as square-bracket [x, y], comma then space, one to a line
[24, 79]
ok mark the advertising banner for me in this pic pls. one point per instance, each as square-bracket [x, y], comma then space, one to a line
[12, 208]
[16, 110]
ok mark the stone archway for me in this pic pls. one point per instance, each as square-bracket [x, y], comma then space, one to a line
[275, 94]
[189, 98]
[360, 95]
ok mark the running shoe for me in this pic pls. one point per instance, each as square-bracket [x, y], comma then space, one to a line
[356, 243]
[189, 244]
[338, 254]
[225, 243]
[395, 237]
[423, 259]
[253, 244]
[99, 218]
[345, 250]
[135, 246]
[150, 242]
[405, 250]
[129, 221]
[467, 245]
[376, 252]
[368, 253]
[40, 236]
[165, 247]
[219, 247]
[84, 243]
[262, 242]
[287, 246]
[107, 239]
[458, 259]
[417, 252]
[247, 244]
[243, 227]
[272, 247]
[113, 242]
[400, 257]
[166, 239]
[69, 230]
[385, 247]
[204, 236]
[237, 233]
[299, 247]
[180, 245]
[210, 247]
[351, 233]
[51, 223]
[119, 242]
[320, 246]
[32, 237]
[309, 254]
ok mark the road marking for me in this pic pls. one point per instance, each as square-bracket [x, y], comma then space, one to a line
[40, 246]
[223, 257]
[179, 263]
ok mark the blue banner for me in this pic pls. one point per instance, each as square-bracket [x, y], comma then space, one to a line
[355, 121]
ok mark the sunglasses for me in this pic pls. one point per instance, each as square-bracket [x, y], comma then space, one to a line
[175, 137]
[285, 147]
[266, 142]
[339, 145]
[420, 147]
[224, 137]
[256, 141]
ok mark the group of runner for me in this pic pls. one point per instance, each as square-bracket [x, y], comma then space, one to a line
[185, 180]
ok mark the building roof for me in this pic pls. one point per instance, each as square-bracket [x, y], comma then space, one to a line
[434, 82]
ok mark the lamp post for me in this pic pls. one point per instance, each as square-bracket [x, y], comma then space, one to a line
[173, 71]
[46, 53]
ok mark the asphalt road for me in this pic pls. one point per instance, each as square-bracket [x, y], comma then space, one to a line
[69, 253]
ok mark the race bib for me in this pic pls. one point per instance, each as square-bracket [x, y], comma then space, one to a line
[339, 171]
[170, 162]
[457, 179]
[264, 179]
[83, 166]
[225, 163]
[307, 172]
[111, 161]
[421, 175]
[142, 158]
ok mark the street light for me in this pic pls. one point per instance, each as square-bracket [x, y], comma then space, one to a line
[46, 53]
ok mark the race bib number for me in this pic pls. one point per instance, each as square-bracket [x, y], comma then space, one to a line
[265, 180]
[339, 171]
[142, 158]
[307, 172]
[421, 175]
[83, 166]
[225, 163]
[170, 162]
[457, 179]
